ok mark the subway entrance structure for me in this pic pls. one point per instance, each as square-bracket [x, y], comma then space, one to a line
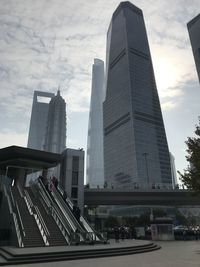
[33, 216]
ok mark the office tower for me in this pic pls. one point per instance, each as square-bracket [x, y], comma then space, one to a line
[72, 175]
[194, 33]
[38, 121]
[95, 170]
[173, 170]
[55, 136]
[135, 145]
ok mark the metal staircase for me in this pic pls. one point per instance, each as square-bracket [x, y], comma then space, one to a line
[31, 235]
[54, 234]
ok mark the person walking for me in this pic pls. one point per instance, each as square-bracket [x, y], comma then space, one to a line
[116, 233]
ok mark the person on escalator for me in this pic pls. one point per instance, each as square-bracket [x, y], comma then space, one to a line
[77, 237]
[44, 181]
[54, 181]
[51, 187]
[77, 212]
[65, 196]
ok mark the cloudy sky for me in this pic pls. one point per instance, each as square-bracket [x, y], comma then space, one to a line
[49, 43]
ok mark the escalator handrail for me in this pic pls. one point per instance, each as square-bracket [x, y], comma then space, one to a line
[69, 211]
[68, 218]
[51, 204]
[57, 216]
[14, 216]
[87, 226]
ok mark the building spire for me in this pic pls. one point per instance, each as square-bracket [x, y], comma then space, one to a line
[58, 92]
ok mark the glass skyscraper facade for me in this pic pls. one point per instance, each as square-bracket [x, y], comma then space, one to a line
[47, 129]
[39, 114]
[55, 136]
[135, 144]
[95, 169]
[194, 33]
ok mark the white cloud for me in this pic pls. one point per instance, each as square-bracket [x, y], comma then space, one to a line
[44, 44]
[168, 105]
[13, 138]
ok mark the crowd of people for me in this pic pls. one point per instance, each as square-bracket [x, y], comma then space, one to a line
[49, 184]
[124, 232]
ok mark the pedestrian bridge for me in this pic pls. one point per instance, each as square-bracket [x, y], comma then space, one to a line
[157, 197]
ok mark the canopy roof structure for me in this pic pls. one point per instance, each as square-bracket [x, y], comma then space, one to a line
[27, 158]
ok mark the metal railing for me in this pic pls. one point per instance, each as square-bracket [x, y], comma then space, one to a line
[90, 234]
[34, 211]
[15, 220]
[59, 219]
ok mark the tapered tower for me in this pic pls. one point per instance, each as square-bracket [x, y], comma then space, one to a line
[95, 169]
[194, 33]
[39, 114]
[135, 144]
[55, 137]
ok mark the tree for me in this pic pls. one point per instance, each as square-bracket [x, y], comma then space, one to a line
[180, 218]
[143, 220]
[128, 220]
[159, 213]
[111, 222]
[191, 176]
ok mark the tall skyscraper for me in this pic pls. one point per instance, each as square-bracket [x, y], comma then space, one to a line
[173, 170]
[95, 169]
[55, 136]
[135, 144]
[194, 33]
[37, 128]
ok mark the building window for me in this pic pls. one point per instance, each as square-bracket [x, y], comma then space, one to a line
[74, 193]
[74, 178]
[75, 163]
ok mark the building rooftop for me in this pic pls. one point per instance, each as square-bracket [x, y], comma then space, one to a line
[193, 21]
[127, 4]
[27, 157]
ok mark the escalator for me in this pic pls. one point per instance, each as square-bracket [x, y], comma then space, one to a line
[54, 234]
[69, 224]
[31, 235]
[84, 227]
[80, 230]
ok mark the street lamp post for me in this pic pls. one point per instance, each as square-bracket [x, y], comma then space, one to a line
[147, 171]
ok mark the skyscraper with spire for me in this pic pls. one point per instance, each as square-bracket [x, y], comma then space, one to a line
[47, 129]
[135, 144]
[95, 169]
[55, 136]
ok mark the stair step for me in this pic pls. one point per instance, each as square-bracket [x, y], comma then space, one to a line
[83, 254]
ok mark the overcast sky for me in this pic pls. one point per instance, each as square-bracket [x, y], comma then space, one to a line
[49, 43]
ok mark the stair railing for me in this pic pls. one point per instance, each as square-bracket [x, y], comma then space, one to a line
[91, 233]
[17, 227]
[69, 216]
[60, 221]
[34, 211]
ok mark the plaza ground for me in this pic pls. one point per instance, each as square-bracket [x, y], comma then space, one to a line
[172, 254]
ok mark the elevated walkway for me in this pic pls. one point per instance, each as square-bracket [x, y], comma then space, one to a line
[150, 197]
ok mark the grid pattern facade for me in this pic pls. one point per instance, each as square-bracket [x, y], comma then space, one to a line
[55, 137]
[135, 145]
[95, 169]
[38, 120]
[194, 33]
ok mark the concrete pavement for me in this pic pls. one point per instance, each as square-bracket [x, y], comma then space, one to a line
[172, 254]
